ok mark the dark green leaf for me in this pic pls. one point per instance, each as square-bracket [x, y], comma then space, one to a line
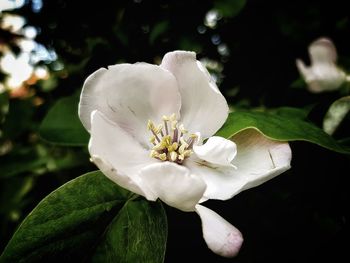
[18, 118]
[17, 162]
[90, 217]
[291, 112]
[279, 128]
[62, 125]
[229, 8]
[141, 222]
[4, 105]
[157, 31]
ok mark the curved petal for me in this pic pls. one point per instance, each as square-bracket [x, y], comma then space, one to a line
[203, 108]
[218, 178]
[130, 95]
[173, 184]
[118, 155]
[258, 160]
[221, 237]
[124, 181]
[216, 150]
[322, 50]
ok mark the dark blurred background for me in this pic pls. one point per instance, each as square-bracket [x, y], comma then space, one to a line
[250, 48]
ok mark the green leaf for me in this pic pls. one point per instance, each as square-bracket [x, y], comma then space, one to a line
[291, 112]
[4, 105]
[229, 8]
[88, 218]
[157, 31]
[20, 160]
[62, 125]
[19, 118]
[281, 128]
[137, 222]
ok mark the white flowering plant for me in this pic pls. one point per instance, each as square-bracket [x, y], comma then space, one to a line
[115, 148]
[159, 135]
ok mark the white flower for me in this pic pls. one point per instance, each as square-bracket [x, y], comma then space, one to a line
[147, 123]
[323, 74]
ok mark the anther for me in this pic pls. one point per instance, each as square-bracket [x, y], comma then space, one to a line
[152, 139]
[173, 156]
[170, 142]
[162, 156]
[182, 129]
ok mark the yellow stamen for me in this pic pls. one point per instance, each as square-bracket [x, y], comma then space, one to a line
[170, 140]
[172, 117]
[182, 148]
[173, 156]
[187, 153]
[154, 154]
[150, 125]
[152, 139]
[173, 125]
[162, 156]
[158, 129]
[173, 147]
[182, 129]
[159, 147]
[183, 142]
[181, 157]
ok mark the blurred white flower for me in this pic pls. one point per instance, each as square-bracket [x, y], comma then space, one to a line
[18, 68]
[167, 159]
[323, 74]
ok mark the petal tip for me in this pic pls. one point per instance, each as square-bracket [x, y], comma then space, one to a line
[178, 57]
[221, 237]
[233, 244]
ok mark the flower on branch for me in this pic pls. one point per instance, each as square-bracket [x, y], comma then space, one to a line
[152, 132]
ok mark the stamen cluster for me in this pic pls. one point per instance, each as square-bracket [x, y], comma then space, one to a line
[171, 141]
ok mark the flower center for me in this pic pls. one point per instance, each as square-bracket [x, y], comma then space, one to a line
[170, 140]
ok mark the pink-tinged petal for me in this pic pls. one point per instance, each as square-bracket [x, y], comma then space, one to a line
[258, 160]
[130, 95]
[174, 185]
[203, 108]
[119, 156]
[221, 237]
[216, 150]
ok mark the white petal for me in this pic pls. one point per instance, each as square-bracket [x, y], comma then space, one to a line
[303, 69]
[322, 50]
[216, 150]
[122, 180]
[221, 237]
[130, 95]
[258, 160]
[118, 155]
[218, 178]
[174, 184]
[203, 108]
